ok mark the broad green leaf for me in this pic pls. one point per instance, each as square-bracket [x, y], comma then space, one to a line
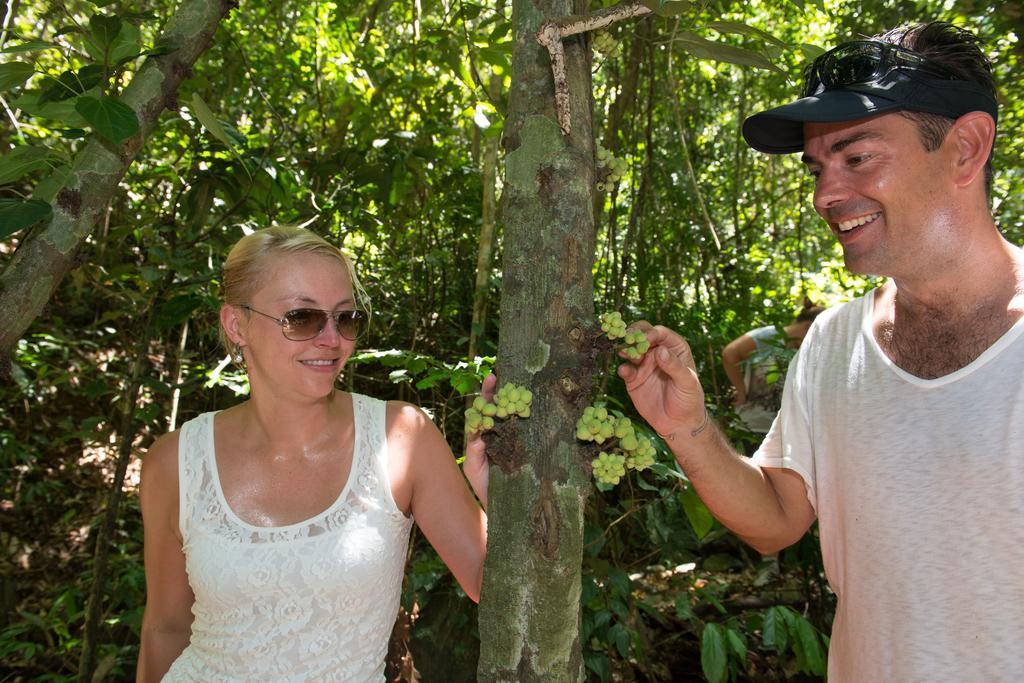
[743, 29]
[209, 121]
[13, 74]
[70, 83]
[21, 161]
[126, 45]
[811, 52]
[30, 46]
[63, 111]
[736, 644]
[103, 30]
[667, 9]
[810, 646]
[17, 214]
[177, 310]
[664, 471]
[774, 633]
[713, 658]
[49, 186]
[598, 663]
[698, 514]
[114, 120]
[703, 48]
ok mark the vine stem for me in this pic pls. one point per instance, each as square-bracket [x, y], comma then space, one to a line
[551, 33]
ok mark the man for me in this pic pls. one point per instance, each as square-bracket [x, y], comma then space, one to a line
[902, 422]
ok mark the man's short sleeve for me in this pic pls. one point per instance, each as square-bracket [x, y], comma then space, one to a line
[788, 443]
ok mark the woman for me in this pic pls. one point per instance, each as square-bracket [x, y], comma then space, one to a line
[276, 531]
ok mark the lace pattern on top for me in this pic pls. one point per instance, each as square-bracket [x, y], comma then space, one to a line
[314, 600]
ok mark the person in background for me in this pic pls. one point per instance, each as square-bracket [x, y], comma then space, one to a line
[902, 420]
[276, 531]
[757, 382]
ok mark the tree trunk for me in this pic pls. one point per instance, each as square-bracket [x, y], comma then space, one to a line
[530, 606]
[43, 260]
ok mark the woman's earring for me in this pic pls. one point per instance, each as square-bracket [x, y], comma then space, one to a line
[236, 355]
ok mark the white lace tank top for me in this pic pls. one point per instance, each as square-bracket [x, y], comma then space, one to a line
[312, 601]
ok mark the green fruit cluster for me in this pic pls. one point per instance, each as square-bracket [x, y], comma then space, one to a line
[510, 400]
[604, 43]
[630, 450]
[613, 325]
[636, 344]
[597, 424]
[609, 468]
[610, 168]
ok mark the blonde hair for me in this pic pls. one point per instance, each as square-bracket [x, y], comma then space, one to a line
[252, 256]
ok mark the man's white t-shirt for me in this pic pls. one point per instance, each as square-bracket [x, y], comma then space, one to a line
[919, 490]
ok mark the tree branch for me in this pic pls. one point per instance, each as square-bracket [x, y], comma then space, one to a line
[551, 33]
[45, 257]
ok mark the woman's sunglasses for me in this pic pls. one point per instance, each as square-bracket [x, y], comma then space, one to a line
[866, 61]
[303, 324]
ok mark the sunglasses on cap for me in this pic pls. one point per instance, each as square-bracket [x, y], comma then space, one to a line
[303, 324]
[866, 61]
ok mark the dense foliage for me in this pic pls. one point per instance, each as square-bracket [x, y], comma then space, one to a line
[366, 122]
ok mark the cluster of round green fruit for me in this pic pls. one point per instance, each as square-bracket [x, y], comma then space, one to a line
[636, 343]
[613, 325]
[609, 468]
[631, 450]
[604, 43]
[610, 169]
[510, 399]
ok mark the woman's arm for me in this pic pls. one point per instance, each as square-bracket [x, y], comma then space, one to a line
[734, 353]
[426, 481]
[167, 621]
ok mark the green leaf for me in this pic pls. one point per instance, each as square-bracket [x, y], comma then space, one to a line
[774, 633]
[14, 74]
[209, 121]
[713, 659]
[736, 644]
[103, 30]
[743, 29]
[126, 46]
[667, 9]
[49, 186]
[811, 52]
[810, 646]
[703, 48]
[63, 112]
[30, 46]
[114, 120]
[177, 310]
[700, 517]
[21, 161]
[665, 471]
[17, 214]
[70, 83]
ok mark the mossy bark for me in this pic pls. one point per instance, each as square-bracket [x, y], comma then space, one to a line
[530, 606]
[47, 255]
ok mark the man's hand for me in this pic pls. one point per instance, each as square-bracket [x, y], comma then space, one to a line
[663, 383]
[475, 466]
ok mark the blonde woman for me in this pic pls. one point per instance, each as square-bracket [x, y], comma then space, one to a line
[276, 530]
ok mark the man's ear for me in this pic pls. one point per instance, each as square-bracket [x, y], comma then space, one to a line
[231, 321]
[973, 134]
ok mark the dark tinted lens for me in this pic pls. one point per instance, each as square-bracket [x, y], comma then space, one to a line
[351, 324]
[303, 323]
[856, 63]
